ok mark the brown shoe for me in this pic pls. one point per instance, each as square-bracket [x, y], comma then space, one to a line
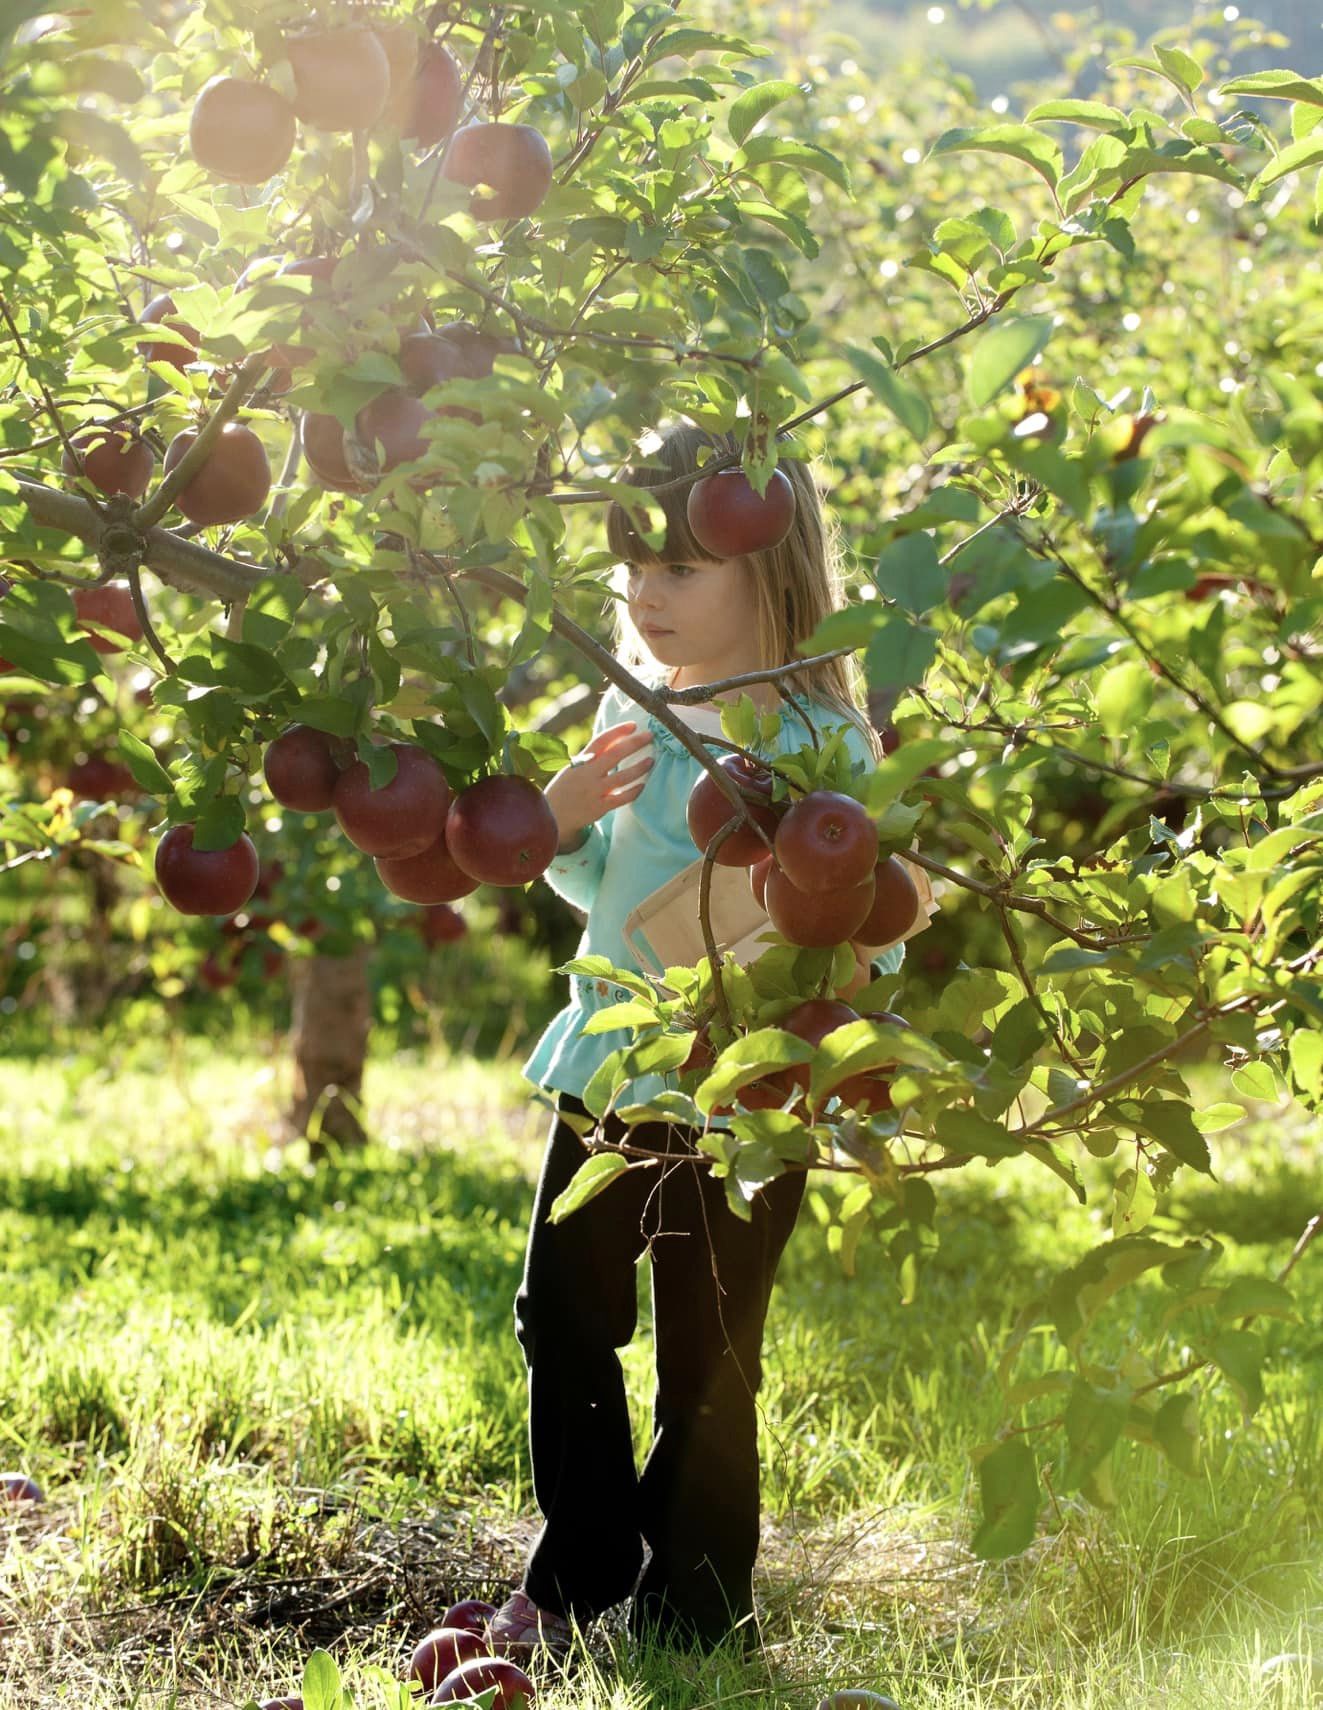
[519, 1630]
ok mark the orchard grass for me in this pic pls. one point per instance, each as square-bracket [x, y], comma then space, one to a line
[276, 1407]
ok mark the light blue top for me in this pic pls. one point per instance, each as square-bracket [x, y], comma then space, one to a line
[630, 852]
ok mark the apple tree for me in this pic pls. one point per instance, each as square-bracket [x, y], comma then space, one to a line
[416, 279]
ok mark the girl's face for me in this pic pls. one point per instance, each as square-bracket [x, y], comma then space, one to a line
[698, 616]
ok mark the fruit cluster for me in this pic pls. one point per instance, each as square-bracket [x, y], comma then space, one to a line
[823, 881]
[429, 846]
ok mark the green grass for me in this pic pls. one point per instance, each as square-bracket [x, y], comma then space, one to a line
[277, 1406]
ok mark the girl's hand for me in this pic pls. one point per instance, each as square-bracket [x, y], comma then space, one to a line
[591, 786]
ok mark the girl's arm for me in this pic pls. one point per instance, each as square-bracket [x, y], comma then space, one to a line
[583, 793]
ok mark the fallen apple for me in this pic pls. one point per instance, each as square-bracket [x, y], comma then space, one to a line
[514, 1690]
[18, 1487]
[470, 1613]
[441, 1652]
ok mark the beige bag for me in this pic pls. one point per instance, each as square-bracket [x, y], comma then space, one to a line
[664, 930]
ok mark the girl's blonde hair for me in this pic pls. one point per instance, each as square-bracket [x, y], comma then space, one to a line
[794, 584]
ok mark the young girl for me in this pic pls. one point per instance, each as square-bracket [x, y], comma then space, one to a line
[621, 811]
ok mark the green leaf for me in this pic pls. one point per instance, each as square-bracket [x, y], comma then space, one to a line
[910, 573]
[1008, 1494]
[1295, 157]
[908, 406]
[1123, 696]
[220, 824]
[321, 1682]
[330, 713]
[64, 664]
[1094, 1421]
[1172, 1125]
[1238, 1355]
[617, 1015]
[1021, 142]
[787, 151]
[1095, 114]
[1217, 1117]
[1247, 1296]
[146, 768]
[1135, 1202]
[1176, 1431]
[1004, 352]
[748, 1059]
[899, 654]
[1257, 1081]
[1278, 86]
[755, 104]
[589, 1179]
[1180, 67]
[967, 1131]
[1306, 1056]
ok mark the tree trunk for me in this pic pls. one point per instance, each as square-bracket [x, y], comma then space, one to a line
[329, 1025]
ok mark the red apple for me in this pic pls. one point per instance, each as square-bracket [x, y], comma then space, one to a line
[437, 97]
[514, 1690]
[826, 842]
[513, 161]
[205, 881]
[403, 817]
[429, 877]
[113, 462]
[300, 769]
[161, 312]
[18, 1487]
[814, 919]
[233, 482]
[441, 924]
[758, 880]
[112, 608]
[871, 1088]
[292, 1702]
[97, 779]
[471, 1613]
[895, 904]
[812, 1021]
[240, 131]
[501, 831]
[391, 429]
[708, 810]
[323, 442]
[728, 518]
[441, 1653]
[341, 78]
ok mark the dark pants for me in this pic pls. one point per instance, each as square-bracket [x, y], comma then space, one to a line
[696, 1501]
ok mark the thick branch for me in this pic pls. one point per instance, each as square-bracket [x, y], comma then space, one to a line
[194, 569]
